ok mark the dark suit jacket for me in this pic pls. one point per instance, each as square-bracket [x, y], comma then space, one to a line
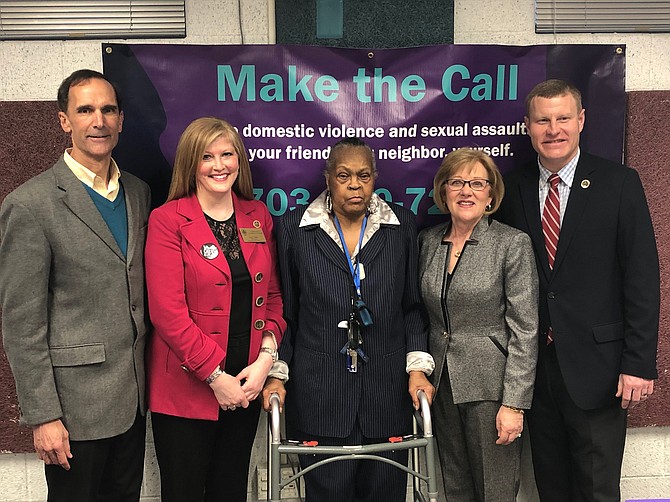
[602, 298]
[323, 398]
[73, 312]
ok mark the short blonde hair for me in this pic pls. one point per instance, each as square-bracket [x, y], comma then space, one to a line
[197, 136]
[553, 88]
[468, 157]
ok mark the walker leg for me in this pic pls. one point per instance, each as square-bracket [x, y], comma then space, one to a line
[430, 467]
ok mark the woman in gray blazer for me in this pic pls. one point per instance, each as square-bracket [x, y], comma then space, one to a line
[480, 287]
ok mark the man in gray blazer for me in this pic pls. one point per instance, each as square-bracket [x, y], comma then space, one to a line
[73, 303]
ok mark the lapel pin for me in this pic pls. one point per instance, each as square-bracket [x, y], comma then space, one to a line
[257, 224]
[209, 251]
[585, 184]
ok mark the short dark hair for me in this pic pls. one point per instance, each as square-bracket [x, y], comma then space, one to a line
[77, 78]
[348, 143]
[552, 88]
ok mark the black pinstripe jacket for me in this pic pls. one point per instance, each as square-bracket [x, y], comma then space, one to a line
[323, 398]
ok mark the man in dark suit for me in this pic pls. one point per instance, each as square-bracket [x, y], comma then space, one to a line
[73, 312]
[599, 299]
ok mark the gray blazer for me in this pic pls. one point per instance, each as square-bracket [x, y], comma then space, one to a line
[486, 336]
[73, 307]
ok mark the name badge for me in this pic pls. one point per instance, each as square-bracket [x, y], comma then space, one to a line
[252, 234]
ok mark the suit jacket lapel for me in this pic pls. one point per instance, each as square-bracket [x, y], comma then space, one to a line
[332, 251]
[133, 210]
[197, 233]
[329, 248]
[244, 218]
[574, 210]
[376, 243]
[78, 200]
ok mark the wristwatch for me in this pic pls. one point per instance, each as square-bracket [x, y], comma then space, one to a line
[272, 352]
[215, 374]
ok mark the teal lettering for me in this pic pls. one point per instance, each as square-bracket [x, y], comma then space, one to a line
[272, 86]
[413, 88]
[447, 84]
[226, 79]
[500, 83]
[482, 92]
[513, 82]
[379, 82]
[273, 91]
[326, 88]
[485, 86]
[296, 87]
[361, 80]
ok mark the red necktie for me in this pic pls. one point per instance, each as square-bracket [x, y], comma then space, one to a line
[551, 219]
[551, 228]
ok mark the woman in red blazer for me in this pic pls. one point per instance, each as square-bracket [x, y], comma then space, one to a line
[216, 309]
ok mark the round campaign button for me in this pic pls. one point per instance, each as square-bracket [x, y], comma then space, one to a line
[209, 251]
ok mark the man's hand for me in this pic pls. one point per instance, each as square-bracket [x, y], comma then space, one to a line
[52, 443]
[417, 382]
[632, 390]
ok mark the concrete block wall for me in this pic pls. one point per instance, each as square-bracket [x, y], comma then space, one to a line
[646, 465]
[511, 22]
[37, 68]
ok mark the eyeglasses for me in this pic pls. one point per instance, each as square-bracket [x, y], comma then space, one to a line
[477, 184]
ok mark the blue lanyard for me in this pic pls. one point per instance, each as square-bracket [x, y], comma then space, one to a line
[355, 273]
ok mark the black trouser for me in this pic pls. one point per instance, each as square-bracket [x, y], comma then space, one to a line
[102, 470]
[205, 460]
[577, 453]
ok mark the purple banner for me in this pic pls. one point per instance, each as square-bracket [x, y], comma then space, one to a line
[413, 106]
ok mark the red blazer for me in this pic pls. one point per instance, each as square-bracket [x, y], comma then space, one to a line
[190, 302]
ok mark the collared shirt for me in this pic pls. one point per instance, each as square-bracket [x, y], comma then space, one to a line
[380, 213]
[108, 190]
[566, 175]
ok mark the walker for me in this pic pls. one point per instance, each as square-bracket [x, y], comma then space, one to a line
[421, 440]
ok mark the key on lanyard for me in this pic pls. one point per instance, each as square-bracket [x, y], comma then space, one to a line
[353, 336]
[352, 361]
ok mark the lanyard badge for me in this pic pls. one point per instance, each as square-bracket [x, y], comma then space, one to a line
[352, 349]
[360, 310]
[360, 315]
[353, 335]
